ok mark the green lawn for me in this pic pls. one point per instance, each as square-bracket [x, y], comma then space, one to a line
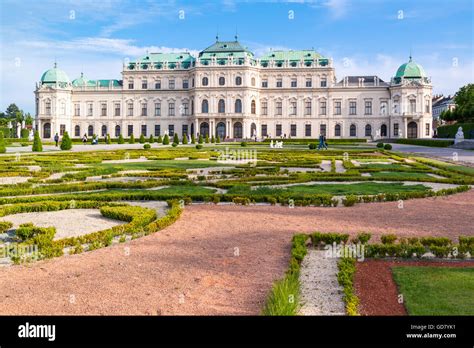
[436, 290]
[398, 175]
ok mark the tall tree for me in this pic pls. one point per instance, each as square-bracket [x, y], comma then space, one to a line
[464, 99]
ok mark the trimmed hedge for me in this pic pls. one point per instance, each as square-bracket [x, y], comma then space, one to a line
[449, 131]
[345, 278]
[426, 142]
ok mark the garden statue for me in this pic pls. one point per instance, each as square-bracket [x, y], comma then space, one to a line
[31, 135]
[459, 136]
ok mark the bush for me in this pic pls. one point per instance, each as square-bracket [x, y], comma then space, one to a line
[427, 142]
[313, 146]
[380, 145]
[185, 139]
[174, 144]
[108, 140]
[24, 133]
[345, 278]
[387, 147]
[193, 139]
[362, 238]
[166, 140]
[160, 139]
[218, 139]
[131, 140]
[199, 146]
[3, 147]
[388, 238]
[200, 141]
[147, 146]
[37, 145]
[243, 144]
[318, 238]
[5, 226]
[435, 241]
[207, 138]
[176, 138]
[142, 139]
[213, 140]
[151, 140]
[66, 143]
[350, 200]
[120, 139]
[449, 131]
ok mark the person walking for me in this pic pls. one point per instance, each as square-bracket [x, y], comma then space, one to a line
[325, 144]
[56, 139]
[84, 139]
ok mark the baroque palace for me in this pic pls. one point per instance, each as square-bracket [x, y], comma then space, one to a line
[226, 91]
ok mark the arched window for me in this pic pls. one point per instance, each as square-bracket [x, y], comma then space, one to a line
[192, 106]
[253, 81]
[368, 130]
[117, 131]
[104, 130]
[221, 81]
[238, 130]
[238, 81]
[204, 129]
[253, 107]
[337, 130]
[383, 130]
[47, 130]
[77, 131]
[205, 81]
[205, 106]
[352, 130]
[238, 106]
[221, 106]
[90, 130]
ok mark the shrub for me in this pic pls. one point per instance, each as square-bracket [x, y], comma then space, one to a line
[193, 139]
[313, 146]
[435, 241]
[218, 139]
[428, 142]
[388, 238]
[147, 146]
[199, 146]
[362, 238]
[350, 200]
[120, 139]
[3, 147]
[207, 138]
[345, 278]
[151, 140]
[5, 225]
[37, 145]
[387, 147]
[142, 139]
[174, 144]
[24, 133]
[243, 144]
[176, 138]
[160, 139]
[66, 143]
[200, 141]
[185, 139]
[108, 140]
[318, 238]
[166, 140]
[380, 145]
[213, 140]
[131, 140]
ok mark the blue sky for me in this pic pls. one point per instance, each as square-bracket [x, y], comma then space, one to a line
[362, 36]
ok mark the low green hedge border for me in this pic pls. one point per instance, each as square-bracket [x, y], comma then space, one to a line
[345, 278]
[426, 142]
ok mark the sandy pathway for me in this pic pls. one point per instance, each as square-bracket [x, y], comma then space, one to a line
[214, 260]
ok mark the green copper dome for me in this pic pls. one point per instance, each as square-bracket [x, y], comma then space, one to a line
[410, 70]
[54, 75]
[81, 81]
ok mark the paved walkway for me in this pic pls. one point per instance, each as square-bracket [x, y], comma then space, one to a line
[444, 153]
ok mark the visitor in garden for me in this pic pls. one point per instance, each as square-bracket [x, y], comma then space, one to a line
[84, 139]
[56, 139]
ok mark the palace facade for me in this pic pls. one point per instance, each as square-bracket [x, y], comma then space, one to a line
[225, 91]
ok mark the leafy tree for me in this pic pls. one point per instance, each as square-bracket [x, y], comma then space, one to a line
[28, 119]
[131, 140]
[121, 140]
[3, 147]
[200, 141]
[464, 100]
[12, 111]
[176, 138]
[66, 143]
[37, 145]
[166, 140]
[185, 139]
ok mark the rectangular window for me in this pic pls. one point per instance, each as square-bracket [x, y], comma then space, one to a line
[368, 108]
[322, 108]
[171, 84]
[130, 85]
[89, 109]
[117, 109]
[264, 130]
[130, 130]
[264, 84]
[103, 109]
[309, 83]
[412, 106]
[158, 84]
[77, 131]
[278, 130]
[294, 83]
[427, 129]
[62, 129]
[77, 110]
[293, 130]
[279, 108]
[48, 108]
[144, 109]
[395, 129]
[157, 109]
[185, 109]
[264, 108]
[337, 108]
[279, 83]
[307, 130]
[324, 82]
[293, 108]
[427, 106]
[352, 108]
[322, 129]
[130, 109]
[144, 129]
[185, 129]
[185, 84]
[157, 130]
[171, 109]
[171, 130]
[307, 108]
[144, 84]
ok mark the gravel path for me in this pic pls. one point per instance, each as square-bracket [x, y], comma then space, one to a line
[12, 180]
[213, 260]
[321, 293]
